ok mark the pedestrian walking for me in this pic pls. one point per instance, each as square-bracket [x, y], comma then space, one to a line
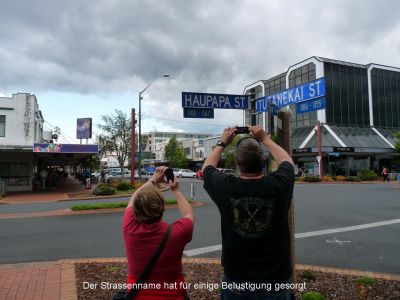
[385, 174]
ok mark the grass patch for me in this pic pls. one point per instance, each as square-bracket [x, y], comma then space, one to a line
[130, 191]
[308, 274]
[366, 281]
[113, 269]
[77, 207]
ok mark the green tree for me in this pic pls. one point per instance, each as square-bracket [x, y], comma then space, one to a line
[229, 153]
[175, 154]
[115, 138]
[397, 145]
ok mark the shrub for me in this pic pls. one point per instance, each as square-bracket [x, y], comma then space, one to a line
[112, 181]
[353, 179]
[308, 274]
[368, 175]
[313, 296]
[340, 178]
[312, 179]
[366, 281]
[327, 179]
[123, 186]
[104, 189]
[137, 185]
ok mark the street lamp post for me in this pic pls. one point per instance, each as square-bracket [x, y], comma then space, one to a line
[140, 123]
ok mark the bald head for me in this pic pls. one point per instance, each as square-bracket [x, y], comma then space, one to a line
[249, 156]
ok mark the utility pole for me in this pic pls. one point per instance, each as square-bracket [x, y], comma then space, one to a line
[133, 122]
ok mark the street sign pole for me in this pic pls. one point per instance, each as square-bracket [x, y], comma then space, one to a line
[284, 115]
[320, 161]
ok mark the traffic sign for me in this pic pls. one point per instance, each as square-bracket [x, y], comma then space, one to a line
[201, 113]
[300, 93]
[206, 100]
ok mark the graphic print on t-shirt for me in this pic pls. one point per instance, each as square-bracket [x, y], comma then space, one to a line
[252, 216]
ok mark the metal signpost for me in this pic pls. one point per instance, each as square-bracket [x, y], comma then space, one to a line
[285, 144]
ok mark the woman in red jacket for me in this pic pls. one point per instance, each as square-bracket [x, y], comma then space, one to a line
[143, 230]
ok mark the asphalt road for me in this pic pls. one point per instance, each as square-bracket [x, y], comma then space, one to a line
[317, 207]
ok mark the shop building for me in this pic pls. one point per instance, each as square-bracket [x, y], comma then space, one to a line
[25, 148]
[360, 116]
[21, 125]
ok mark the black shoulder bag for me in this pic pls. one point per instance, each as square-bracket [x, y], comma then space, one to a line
[125, 295]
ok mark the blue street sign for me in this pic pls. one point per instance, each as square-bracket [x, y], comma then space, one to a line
[310, 105]
[204, 113]
[336, 154]
[300, 93]
[205, 100]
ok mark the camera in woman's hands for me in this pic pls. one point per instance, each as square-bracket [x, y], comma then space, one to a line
[169, 175]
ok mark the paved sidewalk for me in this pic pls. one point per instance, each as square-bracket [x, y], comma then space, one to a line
[67, 188]
[35, 281]
[56, 280]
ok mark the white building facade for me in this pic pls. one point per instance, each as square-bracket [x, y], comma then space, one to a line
[21, 125]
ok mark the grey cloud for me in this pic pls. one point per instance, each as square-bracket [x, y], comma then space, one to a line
[106, 46]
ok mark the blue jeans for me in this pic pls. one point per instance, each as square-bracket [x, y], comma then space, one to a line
[251, 293]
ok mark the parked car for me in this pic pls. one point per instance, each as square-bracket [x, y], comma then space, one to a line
[184, 173]
[96, 175]
[199, 174]
[127, 174]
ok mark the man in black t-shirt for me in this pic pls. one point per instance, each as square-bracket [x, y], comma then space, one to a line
[254, 216]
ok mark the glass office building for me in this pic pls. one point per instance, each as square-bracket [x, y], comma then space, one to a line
[361, 115]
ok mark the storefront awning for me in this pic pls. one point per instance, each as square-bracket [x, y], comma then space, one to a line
[378, 139]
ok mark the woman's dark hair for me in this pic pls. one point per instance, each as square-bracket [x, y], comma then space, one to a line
[249, 156]
[148, 206]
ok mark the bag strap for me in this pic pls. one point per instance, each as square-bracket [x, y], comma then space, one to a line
[152, 262]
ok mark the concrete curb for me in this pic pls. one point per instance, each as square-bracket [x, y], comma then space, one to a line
[217, 261]
[69, 212]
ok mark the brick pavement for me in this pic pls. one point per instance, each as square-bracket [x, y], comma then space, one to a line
[56, 280]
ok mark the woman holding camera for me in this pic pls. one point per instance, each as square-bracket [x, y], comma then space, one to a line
[144, 231]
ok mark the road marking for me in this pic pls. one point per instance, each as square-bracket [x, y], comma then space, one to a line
[198, 251]
[345, 229]
[335, 240]
[203, 250]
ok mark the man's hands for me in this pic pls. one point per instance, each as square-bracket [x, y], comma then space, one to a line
[228, 135]
[258, 133]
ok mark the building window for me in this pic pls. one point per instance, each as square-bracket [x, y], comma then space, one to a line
[2, 125]
[386, 97]
[297, 77]
[346, 94]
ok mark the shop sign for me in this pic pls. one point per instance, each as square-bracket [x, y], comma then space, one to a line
[343, 149]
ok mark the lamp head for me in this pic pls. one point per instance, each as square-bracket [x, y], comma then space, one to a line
[166, 75]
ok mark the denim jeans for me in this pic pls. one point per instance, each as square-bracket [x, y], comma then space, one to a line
[257, 294]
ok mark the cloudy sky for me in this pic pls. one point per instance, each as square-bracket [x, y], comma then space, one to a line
[87, 58]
